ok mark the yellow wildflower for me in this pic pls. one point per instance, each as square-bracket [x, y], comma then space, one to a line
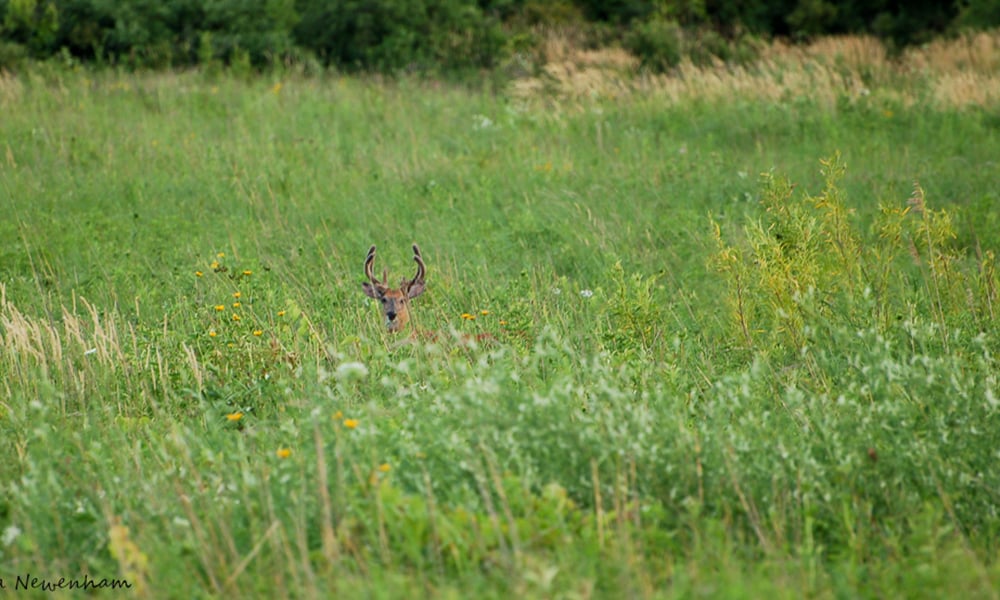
[237, 294]
[350, 423]
[214, 265]
[258, 332]
[281, 313]
[212, 334]
[338, 416]
[248, 272]
[468, 317]
[236, 305]
[484, 312]
[236, 416]
[198, 273]
[221, 255]
[284, 452]
[220, 307]
[236, 317]
[384, 467]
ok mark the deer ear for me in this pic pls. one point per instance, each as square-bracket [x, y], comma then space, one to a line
[415, 289]
[370, 290]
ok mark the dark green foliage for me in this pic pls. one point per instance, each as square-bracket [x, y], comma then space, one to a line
[390, 35]
[662, 43]
[445, 36]
[657, 42]
[978, 13]
[28, 24]
[616, 11]
[150, 32]
[897, 21]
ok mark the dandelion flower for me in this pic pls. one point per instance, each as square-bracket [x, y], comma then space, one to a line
[237, 294]
[258, 332]
[220, 307]
[468, 317]
[484, 312]
[281, 313]
[384, 467]
[198, 273]
[236, 317]
[236, 416]
[338, 416]
[221, 255]
[212, 334]
[350, 423]
[248, 273]
[236, 305]
[284, 452]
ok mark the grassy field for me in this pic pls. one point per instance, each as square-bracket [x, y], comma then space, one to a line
[743, 327]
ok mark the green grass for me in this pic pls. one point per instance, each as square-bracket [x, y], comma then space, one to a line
[632, 442]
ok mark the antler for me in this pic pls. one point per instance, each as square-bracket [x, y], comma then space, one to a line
[369, 263]
[421, 269]
[414, 287]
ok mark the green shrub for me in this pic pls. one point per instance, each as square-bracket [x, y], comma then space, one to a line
[260, 28]
[26, 26]
[806, 264]
[658, 43]
[395, 35]
[152, 33]
[978, 14]
[661, 43]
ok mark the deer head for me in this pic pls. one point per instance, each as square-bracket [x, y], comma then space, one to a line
[395, 302]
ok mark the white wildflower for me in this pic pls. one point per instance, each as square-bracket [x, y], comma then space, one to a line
[11, 533]
[351, 370]
[482, 122]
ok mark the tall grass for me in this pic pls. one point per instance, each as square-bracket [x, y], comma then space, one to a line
[697, 380]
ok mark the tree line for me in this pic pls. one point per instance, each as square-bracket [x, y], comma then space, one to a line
[446, 36]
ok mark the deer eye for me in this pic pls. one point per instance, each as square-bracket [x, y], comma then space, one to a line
[382, 300]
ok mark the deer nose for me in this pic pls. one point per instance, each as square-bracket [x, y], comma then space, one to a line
[391, 315]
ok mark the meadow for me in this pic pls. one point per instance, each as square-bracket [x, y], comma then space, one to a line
[742, 329]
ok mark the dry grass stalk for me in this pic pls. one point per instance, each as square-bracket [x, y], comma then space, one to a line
[958, 73]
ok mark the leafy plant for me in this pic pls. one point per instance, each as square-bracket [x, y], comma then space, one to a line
[806, 263]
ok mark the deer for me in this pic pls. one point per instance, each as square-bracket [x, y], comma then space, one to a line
[395, 301]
